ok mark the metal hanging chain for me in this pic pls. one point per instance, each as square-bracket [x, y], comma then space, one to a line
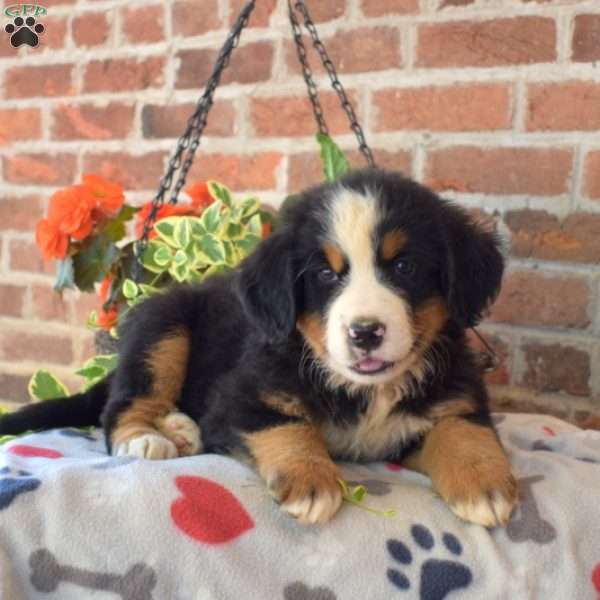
[189, 141]
[488, 359]
[311, 86]
[335, 82]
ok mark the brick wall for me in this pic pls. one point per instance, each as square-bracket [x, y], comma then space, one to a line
[496, 103]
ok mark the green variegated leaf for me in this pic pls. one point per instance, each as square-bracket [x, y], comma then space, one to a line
[182, 232]
[255, 225]
[166, 229]
[180, 258]
[163, 256]
[247, 245]
[334, 161]
[198, 228]
[148, 257]
[92, 320]
[148, 290]
[217, 270]
[179, 272]
[92, 372]
[45, 386]
[249, 207]
[130, 289]
[211, 217]
[231, 255]
[219, 192]
[212, 249]
[235, 231]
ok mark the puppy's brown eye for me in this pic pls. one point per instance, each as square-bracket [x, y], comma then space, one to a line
[327, 275]
[403, 267]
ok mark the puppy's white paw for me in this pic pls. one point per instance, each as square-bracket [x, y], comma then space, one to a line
[152, 446]
[490, 510]
[182, 431]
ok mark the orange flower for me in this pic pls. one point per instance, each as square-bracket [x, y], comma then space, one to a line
[166, 210]
[107, 319]
[105, 288]
[51, 241]
[266, 229]
[71, 211]
[109, 195]
[200, 196]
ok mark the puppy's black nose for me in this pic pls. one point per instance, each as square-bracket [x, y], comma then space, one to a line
[366, 335]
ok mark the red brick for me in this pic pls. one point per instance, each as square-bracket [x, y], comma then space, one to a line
[170, 121]
[537, 171]
[48, 80]
[54, 33]
[307, 169]
[20, 124]
[378, 8]
[538, 234]
[326, 11]
[143, 25]
[586, 38]
[520, 40]
[592, 174]
[250, 63]
[26, 256]
[40, 169]
[20, 213]
[452, 108]
[357, 51]
[292, 116]
[530, 298]
[124, 74]
[83, 306]
[14, 387]
[48, 305]
[88, 122]
[195, 18]
[12, 298]
[91, 29]
[239, 172]
[554, 367]
[16, 346]
[261, 15]
[564, 106]
[133, 172]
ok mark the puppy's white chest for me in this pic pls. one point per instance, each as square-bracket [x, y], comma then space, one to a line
[378, 432]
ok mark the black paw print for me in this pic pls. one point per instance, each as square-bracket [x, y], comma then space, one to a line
[24, 31]
[438, 577]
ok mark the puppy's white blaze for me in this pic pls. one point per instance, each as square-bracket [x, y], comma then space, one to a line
[353, 219]
[377, 433]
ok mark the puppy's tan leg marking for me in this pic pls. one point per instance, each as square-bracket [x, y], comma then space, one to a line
[469, 469]
[135, 432]
[183, 431]
[300, 475]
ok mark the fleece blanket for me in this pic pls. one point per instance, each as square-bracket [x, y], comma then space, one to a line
[76, 523]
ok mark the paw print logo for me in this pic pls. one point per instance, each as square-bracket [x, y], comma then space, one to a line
[24, 31]
[438, 576]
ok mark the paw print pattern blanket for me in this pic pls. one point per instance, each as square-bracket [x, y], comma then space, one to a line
[76, 523]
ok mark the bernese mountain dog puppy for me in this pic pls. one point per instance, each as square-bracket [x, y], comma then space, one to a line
[342, 337]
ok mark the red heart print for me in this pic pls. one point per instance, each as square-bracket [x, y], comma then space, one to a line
[549, 431]
[392, 466]
[208, 512]
[33, 451]
[596, 579]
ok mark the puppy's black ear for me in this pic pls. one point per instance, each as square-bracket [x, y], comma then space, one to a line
[266, 285]
[474, 266]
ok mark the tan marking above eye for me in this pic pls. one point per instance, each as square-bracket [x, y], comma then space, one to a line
[334, 256]
[393, 242]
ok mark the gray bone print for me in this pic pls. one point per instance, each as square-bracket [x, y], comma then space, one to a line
[47, 574]
[527, 524]
[300, 591]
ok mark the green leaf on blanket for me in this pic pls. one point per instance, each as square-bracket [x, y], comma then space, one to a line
[7, 438]
[357, 494]
[46, 386]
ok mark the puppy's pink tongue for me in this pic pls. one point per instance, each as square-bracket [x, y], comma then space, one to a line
[370, 364]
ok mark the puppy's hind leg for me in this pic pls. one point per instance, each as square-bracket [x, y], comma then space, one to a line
[134, 426]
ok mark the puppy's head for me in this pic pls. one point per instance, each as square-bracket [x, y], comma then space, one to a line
[370, 270]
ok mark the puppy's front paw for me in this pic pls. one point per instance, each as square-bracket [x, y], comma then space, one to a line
[308, 491]
[182, 431]
[483, 495]
[152, 446]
